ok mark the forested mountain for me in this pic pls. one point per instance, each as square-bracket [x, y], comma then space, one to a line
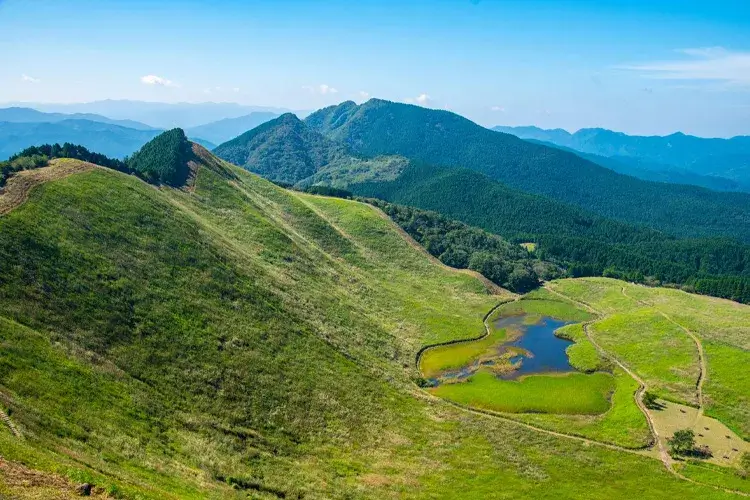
[287, 150]
[165, 159]
[656, 172]
[441, 138]
[28, 115]
[728, 158]
[583, 243]
[223, 130]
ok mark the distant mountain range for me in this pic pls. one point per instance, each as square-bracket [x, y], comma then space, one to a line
[228, 128]
[713, 163]
[110, 140]
[158, 114]
[24, 127]
[29, 115]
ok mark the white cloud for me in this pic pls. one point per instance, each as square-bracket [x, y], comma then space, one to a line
[364, 95]
[321, 89]
[422, 99]
[29, 79]
[157, 80]
[498, 109]
[708, 64]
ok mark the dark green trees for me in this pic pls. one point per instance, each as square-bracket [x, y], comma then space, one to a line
[164, 159]
[682, 442]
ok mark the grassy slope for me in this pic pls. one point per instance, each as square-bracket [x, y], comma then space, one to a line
[164, 343]
[722, 326]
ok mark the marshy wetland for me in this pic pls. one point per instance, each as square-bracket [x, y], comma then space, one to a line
[520, 366]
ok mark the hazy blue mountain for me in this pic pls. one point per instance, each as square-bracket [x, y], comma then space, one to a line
[729, 158]
[445, 139]
[223, 130]
[159, 114]
[656, 172]
[29, 115]
[111, 140]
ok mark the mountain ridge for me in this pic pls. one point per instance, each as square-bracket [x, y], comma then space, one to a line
[444, 139]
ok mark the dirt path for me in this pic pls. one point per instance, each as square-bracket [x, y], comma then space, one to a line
[703, 373]
[17, 190]
[642, 387]
[5, 418]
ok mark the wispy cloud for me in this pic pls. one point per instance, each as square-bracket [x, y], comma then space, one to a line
[158, 80]
[498, 109]
[708, 64]
[30, 79]
[322, 89]
[422, 99]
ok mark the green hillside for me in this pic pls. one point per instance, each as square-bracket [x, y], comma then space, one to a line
[286, 150]
[236, 340]
[444, 139]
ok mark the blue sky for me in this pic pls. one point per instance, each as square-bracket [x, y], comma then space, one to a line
[647, 67]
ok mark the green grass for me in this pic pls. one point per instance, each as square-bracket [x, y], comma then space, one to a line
[723, 327]
[582, 354]
[571, 393]
[556, 309]
[712, 474]
[655, 348]
[166, 343]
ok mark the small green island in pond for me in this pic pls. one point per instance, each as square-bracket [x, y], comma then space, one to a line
[522, 365]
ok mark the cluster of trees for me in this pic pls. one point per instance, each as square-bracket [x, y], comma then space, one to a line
[68, 150]
[18, 163]
[329, 191]
[164, 159]
[464, 247]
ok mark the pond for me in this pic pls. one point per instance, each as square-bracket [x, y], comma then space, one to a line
[520, 367]
[542, 351]
[521, 344]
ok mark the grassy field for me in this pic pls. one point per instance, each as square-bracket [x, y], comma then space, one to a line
[722, 326]
[569, 393]
[238, 340]
[534, 309]
[655, 348]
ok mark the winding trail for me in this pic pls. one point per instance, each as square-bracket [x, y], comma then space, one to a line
[663, 454]
[703, 373]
